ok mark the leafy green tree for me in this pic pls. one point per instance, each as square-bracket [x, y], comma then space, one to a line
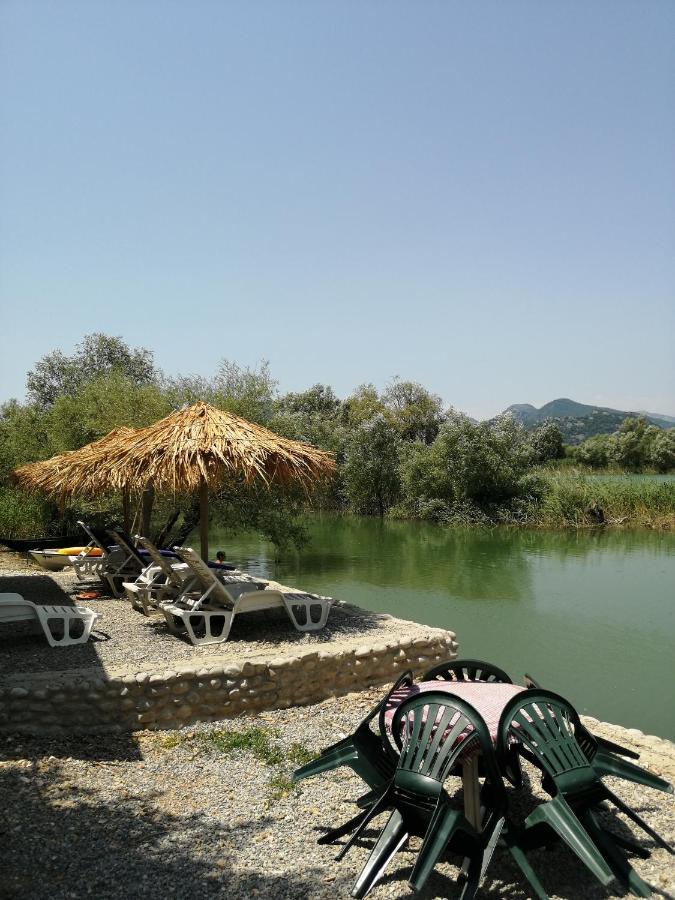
[105, 402]
[362, 405]
[596, 452]
[662, 451]
[416, 413]
[370, 471]
[547, 442]
[482, 463]
[244, 391]
[631, 449]
[319, 400]
[97, 354]
[24, 436]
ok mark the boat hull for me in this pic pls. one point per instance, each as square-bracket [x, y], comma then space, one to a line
[23, 545]
[50, 559]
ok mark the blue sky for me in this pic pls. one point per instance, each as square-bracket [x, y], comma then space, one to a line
[479, 196]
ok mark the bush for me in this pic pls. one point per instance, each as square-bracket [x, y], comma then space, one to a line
[482, 464]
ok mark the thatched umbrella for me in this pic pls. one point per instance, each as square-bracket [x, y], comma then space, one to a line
[60, 476]
[198, 448]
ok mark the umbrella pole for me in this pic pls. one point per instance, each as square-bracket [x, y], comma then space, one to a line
[146, 509]
[204, 519]
[126, 509]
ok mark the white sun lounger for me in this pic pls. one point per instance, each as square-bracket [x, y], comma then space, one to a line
[223, 597]
[111, 567]
[55, 621]
[172, 580]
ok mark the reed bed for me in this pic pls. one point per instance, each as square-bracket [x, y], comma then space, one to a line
[579, 502]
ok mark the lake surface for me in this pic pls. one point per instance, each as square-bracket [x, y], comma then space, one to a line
[590, 614]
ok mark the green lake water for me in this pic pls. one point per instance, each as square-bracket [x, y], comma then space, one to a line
[590, 614]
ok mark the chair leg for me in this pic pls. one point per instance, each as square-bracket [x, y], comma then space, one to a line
[525, 867]
[626, 844]
[306, 603]
[340, 756]
[192, 619]
[558, 815]
[607, 764]
[392, 837]
[472, 881]
[331, 836]
[623, 870]
[379, 806]
[439, 831]
[604, 744]
[638, 820]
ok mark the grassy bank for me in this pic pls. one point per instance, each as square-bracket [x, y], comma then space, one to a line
[575, 500]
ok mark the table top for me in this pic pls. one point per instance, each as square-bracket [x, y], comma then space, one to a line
[487, 697]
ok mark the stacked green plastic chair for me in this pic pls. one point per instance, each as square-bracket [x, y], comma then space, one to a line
[477, 670]
[467, 670]
[542, 726]
[605, 756]
[369, 754]
[436, 730]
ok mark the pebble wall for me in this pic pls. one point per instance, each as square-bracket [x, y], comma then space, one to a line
[90, 700]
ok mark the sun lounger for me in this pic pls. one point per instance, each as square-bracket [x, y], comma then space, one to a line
[160, 580]
[57, 622]
[184, 587]
[221, 598]
[120, 561]
[110, 564]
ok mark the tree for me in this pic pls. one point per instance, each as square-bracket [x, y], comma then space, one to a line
[370, 471]
[56, 374]
[547, 442]
[106, 402]
[362, 405]
[662, 451]
[244, 391]
[319, 400]
[596, 451]
[312, 416]
[631, 448]
[416, 413]
[24, 436]
[482, 463]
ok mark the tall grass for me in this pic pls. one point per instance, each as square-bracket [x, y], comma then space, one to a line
[21, 515]
[578, 501]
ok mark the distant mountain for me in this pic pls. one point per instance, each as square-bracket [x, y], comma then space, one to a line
[578, 421]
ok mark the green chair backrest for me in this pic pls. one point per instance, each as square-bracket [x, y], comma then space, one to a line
[406, 679]
[467, 670]
[434, 729]
[544, 723]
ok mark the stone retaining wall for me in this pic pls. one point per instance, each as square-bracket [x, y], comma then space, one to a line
[211, 688]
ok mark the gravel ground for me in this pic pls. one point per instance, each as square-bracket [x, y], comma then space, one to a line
[123, 637]
[177, 814]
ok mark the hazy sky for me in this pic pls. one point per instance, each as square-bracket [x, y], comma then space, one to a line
[479, 196]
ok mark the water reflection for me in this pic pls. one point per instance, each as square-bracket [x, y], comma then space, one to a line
[591, 613]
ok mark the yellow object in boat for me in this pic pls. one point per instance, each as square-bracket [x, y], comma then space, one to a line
[75, 551]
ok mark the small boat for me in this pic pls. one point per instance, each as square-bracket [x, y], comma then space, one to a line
[23, 545]
[50, 559]
[55, 560]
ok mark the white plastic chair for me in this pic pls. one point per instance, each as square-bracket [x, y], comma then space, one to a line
[55, 621]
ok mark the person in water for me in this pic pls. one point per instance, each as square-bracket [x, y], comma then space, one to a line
[220, 558]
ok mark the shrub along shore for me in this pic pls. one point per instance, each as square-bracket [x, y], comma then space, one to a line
[399, 452]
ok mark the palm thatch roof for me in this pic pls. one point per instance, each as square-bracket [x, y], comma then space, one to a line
[203, 444]
[196, 446]
[61, 475]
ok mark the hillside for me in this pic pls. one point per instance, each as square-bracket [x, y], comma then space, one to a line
[579, 421]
